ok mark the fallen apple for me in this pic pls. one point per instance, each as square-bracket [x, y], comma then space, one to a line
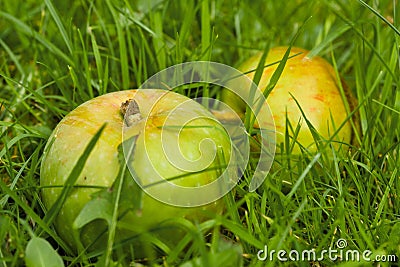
[307, 88]
[157, 120]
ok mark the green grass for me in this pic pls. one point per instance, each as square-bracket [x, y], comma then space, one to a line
[55, 55]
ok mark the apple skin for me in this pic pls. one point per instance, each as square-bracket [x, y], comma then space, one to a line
[313, 83]
[73, 133]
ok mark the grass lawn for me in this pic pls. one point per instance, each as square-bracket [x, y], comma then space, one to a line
[55, 55]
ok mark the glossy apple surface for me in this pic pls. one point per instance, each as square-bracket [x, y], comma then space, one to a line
[150, 163]
[310, 81]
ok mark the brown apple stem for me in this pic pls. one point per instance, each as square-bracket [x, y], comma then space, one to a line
[131, 112]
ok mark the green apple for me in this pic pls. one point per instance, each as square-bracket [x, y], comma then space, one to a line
[158, 120]
[313, 84]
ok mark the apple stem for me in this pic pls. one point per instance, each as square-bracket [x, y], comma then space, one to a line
[131, 112]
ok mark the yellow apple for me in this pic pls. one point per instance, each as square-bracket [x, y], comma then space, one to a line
[307, 88]
[158, 117]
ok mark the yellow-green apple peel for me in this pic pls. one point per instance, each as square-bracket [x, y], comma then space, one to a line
[154, 118]
[307, 88]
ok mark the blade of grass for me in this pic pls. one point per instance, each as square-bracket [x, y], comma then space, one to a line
[275, 76]
[17, 139]
[88, 76]
[242, 233]
[158, 41]
[60, 25]
[123, 53]
[380, 17]
[18, 175]
[33, 215]
[25, 29]
[134, 19]
[333, 35]
[366, 41]
[81, 90]
[249, 119]
[13, 57]
[99, 63]
[278, 72]
[73, 176]
[293, 219]
[301, 177]
[205, 30]
[384, 198]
